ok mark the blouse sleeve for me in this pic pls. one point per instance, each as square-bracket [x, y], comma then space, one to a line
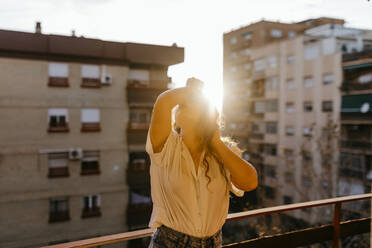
[158, 158]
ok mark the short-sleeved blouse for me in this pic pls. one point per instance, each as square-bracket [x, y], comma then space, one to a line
[180, 196]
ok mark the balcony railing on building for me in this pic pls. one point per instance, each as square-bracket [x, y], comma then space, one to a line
[334, 232]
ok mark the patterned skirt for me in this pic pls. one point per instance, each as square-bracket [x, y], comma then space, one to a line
[165, 237]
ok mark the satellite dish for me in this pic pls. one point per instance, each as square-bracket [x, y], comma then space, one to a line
[365, 107]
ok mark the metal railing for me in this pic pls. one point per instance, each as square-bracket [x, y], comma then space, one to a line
[291, 239]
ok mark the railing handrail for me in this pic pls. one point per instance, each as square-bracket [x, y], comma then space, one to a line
[294, 206]
[115, 238]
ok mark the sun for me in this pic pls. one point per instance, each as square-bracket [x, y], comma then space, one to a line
[214, 95]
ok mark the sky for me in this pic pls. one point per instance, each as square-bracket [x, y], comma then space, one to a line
[196, 25]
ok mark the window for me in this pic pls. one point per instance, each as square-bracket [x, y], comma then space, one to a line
[290, 59]
[328, 79]
[291, 84]
[91, 206]
[258, 127]
[291, 34]
[308, 82]
[233, 40]
[259, 107]
[327, 106]
[366, 78]
[269, 192]
[289, 130]
[270, 149]
[289, 107]
[306, 156]
[288, 153]
[272, 61]
[233, 55]
[138, 78]
[276, 33]
[307, 131]
[259, 65]
[311, 52]
[289, 177]
[90, 119]
[233, 69]
[328, 46]
[58, 164]
[272, 105]
[308, 106]
[247, 35]
[139, 119]
[59, 210]
[90, 163]
[272, 83]
[245, 52]
[58, 120]
[58, 75]
[287, 200]
[270, 171]
[271, 127]
[90, 76]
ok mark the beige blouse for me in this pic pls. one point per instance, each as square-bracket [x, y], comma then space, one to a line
[180, 196]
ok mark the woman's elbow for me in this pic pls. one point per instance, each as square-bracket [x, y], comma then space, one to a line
[252, 184]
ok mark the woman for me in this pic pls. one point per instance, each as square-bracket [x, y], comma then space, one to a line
[192, 170]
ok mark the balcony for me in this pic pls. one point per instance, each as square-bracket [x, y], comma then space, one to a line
[338, 229]
[143, 95]
[90, 83]
[348, 86]
[91, 212]
[138, 215]
[90, 127]
[59, 216]
[58, 82]
[138, 126]
[137, 176]
[58, 172]
[365, 54]
[257, 136]
[356, 145]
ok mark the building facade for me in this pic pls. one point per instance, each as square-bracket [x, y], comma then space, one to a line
[282, 103]
[74, 114]
[355, 171]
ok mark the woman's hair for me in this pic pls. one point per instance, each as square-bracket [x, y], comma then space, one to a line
[208, 123]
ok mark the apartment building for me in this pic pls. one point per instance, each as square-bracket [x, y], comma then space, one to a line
[282, 104]
[74, 115]
[355, 170]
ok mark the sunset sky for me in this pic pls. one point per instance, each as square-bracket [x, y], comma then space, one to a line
[196, 25]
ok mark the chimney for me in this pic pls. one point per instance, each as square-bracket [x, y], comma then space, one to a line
[38, 28]
[73, 33]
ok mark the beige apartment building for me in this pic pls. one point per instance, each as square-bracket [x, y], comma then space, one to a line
[282, 104]
[73, 111]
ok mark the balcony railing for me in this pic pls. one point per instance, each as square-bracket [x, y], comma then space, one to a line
[351, 86]
[358, 145]
[295, 238]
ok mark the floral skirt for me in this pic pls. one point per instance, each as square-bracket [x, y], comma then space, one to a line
[165, 237]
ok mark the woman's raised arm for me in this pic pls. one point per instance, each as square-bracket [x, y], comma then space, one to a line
[161, 120]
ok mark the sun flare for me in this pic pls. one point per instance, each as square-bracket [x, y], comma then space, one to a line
[214, 96]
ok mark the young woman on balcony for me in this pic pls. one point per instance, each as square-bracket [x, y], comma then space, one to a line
[192, 170]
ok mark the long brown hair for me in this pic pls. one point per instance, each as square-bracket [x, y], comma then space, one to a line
[208, 123]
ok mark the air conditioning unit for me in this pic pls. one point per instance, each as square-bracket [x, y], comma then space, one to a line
[106, 79]
[75, 153]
